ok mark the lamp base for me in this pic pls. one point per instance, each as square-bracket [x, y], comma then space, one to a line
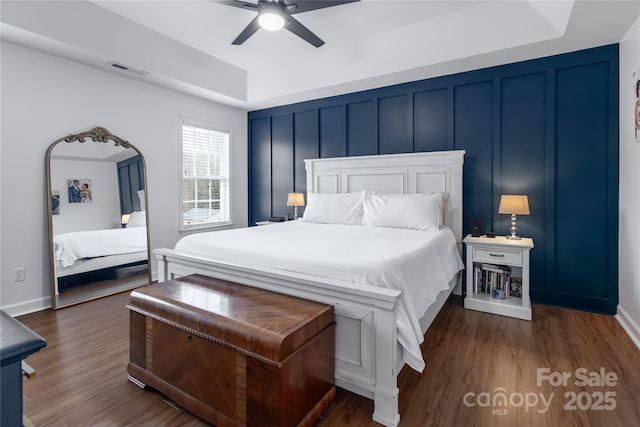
[514, 229]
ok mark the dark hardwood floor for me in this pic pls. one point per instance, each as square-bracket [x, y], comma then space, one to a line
[472, 358]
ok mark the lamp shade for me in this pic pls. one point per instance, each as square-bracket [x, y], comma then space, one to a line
[514, 204]
[125, 218]
[295, 199]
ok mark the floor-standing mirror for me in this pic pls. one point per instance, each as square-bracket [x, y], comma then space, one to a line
[99, 238]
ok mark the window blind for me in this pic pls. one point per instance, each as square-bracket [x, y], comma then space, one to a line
[205, 176]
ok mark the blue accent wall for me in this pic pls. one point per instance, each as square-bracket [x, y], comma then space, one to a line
[547, 128]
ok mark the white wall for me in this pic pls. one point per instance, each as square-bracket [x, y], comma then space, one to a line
[45, 98]
[104, 210]
[629, 235]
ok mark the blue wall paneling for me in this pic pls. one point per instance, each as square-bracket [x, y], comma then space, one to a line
[473, 130]
[260, 170]
[361, 138]
[430, 121]
[305, 145]
[130, 181]
[394, 121]
[333, 132]
[547, 128]
[521, 152]
[282, 161]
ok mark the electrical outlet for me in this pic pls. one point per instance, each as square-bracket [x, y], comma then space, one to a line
[18, 274]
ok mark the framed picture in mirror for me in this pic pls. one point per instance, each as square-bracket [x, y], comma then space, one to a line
[55, 203]
[80, 190]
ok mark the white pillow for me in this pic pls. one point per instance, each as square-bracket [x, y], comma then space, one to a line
[137, 219]
[442, 207]
[412, 211]
[334, 208]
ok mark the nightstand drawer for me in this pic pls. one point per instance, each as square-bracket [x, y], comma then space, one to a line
[501, 256]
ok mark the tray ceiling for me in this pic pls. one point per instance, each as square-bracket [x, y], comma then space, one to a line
[186, 45]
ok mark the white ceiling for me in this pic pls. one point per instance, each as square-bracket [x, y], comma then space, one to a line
[92, 151]
[186, 45]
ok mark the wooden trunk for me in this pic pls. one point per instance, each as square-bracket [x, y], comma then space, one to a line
[232, 354]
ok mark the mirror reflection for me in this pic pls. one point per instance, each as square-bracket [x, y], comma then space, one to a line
[97, 216]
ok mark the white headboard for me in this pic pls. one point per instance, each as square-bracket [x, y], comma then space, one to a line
[439, 171]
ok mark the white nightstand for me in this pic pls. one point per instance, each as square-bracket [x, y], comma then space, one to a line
[494, 265]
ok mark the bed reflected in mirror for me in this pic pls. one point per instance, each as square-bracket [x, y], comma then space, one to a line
[99, 239]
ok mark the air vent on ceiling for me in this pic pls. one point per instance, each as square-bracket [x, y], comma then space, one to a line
[129, 69]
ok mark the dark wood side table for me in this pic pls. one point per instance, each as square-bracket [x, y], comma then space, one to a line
[16, 343]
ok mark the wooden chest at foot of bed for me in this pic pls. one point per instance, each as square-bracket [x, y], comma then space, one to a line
[232, 354]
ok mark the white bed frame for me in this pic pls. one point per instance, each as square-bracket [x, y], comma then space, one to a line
[368, 356]
[86, 265]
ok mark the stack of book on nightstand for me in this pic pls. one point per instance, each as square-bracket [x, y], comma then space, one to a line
[496, 280]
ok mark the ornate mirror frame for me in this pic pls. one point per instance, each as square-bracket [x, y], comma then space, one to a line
[97, 134]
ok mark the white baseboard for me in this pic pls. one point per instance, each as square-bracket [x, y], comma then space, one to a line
[39, 304]
[628, 324]
[27, 307]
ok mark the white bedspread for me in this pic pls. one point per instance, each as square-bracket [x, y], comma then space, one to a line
[69, 247]
[419, 263]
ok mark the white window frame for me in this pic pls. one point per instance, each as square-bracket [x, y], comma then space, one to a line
[186, 121]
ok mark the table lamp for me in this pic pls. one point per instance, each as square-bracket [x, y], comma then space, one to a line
[295, 200]
[514, 205]
[125, 219]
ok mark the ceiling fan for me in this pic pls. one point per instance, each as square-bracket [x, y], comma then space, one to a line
[276, 14]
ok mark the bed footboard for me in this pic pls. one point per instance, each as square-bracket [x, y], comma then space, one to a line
[366, 333]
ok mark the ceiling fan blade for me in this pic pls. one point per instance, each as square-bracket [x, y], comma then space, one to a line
[300, 6]
[248, 31]
[240, 4]
[303, 32]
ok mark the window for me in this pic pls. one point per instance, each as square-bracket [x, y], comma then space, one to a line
[205, 176]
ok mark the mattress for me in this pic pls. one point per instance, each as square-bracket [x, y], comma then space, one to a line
[419, 263]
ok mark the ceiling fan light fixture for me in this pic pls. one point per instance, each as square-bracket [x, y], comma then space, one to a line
[274, 15]
[271, 21]
[271, 16]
